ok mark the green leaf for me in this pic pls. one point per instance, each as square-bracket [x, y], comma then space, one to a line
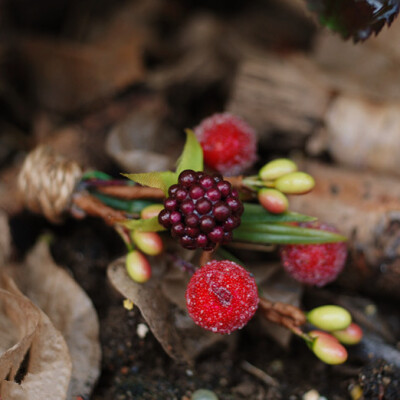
[192, 155]
[256, 213]
[292, 231]
[160, 180]
[144, 225]
[283, 238]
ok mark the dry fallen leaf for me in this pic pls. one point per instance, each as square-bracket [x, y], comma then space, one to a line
[170, 324]
[5, 238]
[33, 337]
[70, 310]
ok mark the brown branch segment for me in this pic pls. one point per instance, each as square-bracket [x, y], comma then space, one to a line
[95, 208]
[132, 192]
[282, 314]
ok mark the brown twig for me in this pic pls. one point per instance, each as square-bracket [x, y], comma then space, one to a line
[95, 208]
[206, 256]
[283, 314]
[132, 192]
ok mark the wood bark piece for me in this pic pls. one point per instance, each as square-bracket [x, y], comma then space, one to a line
[366, 208]
[66, 76]
[280, 95]
[347, 105]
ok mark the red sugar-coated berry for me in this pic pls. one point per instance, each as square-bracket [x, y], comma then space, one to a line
[229, 144]
[315, 264]
[201, 210]
[221, 297]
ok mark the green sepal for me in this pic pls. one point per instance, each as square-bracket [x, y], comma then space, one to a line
[160, 180]
[192, 154]
[144, 225]
[256, 213]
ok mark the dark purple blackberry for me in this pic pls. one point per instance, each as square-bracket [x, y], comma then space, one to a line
[201, 210]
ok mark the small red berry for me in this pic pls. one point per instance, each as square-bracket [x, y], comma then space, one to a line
[315, 264]
[222, 296]
[229, 144]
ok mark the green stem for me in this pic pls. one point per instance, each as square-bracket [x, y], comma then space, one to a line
[96, 175]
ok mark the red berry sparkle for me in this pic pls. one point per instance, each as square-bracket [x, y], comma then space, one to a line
[229, 143]
[315, 264]
[222, 296]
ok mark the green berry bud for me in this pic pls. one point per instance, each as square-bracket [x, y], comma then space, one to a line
[273, 200]
[277, 168]
[151, 211]
[328, 350]
[138, 267]
[295, 183]
[329, 318]
[350, 335]
[204, 394]
[148, 242]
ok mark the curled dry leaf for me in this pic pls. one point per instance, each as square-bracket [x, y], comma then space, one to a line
[30, 335]
[141, 143]
[5, 238]
[69, 309]
[169, 322]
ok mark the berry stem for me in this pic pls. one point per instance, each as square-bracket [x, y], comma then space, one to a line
[132, 192]
[95, 208]
[206, 256]
[282, 314]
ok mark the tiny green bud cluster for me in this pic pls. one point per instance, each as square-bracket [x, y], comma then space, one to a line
[327, 346]
[280, 177]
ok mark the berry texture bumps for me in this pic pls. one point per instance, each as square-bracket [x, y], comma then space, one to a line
[201, 210]
[229, 144]
[315, 264]
[221, 297]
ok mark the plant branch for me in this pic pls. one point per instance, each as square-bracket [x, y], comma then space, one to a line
[282, 314]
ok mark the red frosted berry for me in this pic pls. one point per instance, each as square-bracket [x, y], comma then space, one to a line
[315, 264]
[221, 296]
[201, 210]
[229, 144]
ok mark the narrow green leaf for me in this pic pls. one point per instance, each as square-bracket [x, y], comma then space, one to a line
[192, 155]
[276, 238]
[144, 225]
[161, 180]
[292, 230]
[256, 213]
[130, 206]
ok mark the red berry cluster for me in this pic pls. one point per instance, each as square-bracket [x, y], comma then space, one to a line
[229, 144]
[315, 264]
[221, 296]
[201, 210]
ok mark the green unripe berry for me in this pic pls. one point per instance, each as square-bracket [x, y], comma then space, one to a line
[204, 394]
[329, 318]
[273, 200]
[138, 267]
[148, 242]
[295, 183]
[151, 211]
[328, 350]
[351, 335]
[277, 168]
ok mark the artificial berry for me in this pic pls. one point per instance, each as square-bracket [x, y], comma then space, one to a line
[329, 317]
[314, 264]
[350, 335]
[221, 296]
[229, 143]
[201, 210]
